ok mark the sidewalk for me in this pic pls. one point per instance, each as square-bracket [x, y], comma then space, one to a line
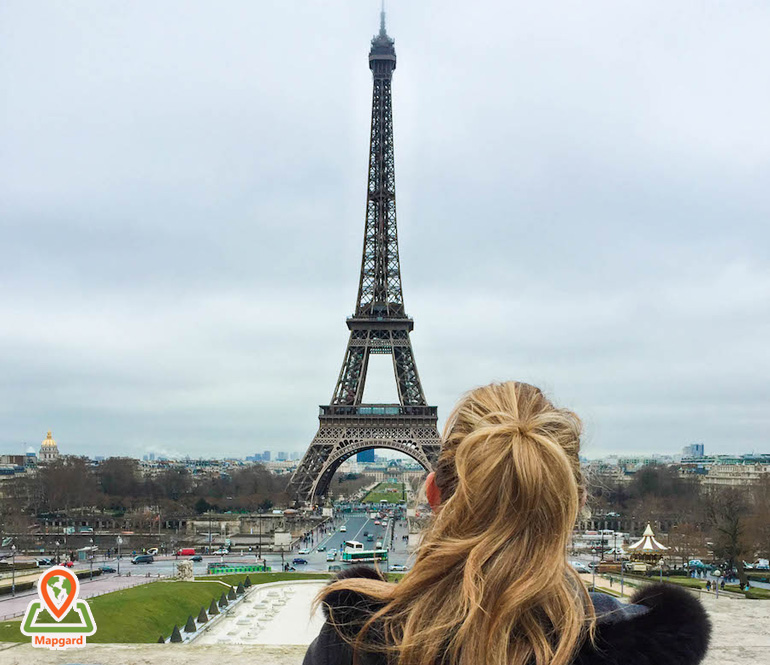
[14, 606]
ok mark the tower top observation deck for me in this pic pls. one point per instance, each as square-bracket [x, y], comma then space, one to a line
[382, 55]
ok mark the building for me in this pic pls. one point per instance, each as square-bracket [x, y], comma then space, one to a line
[694, 450]
[266, 456]
[49, 451]
[366, 456]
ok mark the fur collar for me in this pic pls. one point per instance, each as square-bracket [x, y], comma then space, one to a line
[673, 629]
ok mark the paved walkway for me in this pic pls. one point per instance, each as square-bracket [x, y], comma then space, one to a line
[11, 607]
[741, 636]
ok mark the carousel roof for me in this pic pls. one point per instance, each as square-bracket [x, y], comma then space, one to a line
[647, 543]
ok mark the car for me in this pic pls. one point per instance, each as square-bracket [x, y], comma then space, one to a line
[376, 522]
[369, 538]
[343, 529]
[221, 551]
[68, 564]
[331, 556]
[44, 562]
[186, 551]
[107, 569]
[378, 545]
[297, 561]
[580, 566]
[143, 558]
[333, 550]
[366, 533]
[153, 551]
[335, 569]
[304, 550]
[321, 548]
[197, 557]
[398, 568]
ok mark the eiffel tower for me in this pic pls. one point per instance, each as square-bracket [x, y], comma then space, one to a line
[380, 325]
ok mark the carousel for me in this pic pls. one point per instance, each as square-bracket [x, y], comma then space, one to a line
[647, 550]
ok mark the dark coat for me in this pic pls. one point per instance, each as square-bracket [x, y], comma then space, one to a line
[663, 625]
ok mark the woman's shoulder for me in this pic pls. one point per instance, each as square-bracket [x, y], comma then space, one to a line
[662, 624]
[347, 610]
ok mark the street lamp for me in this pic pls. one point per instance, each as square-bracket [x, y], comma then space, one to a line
[13, 559]
[593, 568]
[259, 542]
[56, 560]
[119, 541]
[91, 557]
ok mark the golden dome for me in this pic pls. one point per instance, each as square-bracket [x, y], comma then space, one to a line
[48, 442]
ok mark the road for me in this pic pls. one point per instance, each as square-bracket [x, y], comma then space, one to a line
[355, 523]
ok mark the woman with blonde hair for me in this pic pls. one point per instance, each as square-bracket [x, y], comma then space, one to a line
[491, 584]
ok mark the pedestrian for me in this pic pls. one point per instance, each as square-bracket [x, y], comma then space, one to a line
[708, 585]
[491, 582]
[722, 585]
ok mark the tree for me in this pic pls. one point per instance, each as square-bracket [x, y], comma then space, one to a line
[727, 511]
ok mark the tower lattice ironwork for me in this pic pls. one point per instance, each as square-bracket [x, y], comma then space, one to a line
[379, 326]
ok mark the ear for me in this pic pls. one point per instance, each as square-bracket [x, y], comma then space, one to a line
[432, 491]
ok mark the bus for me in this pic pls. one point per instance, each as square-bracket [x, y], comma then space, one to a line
[354, 552]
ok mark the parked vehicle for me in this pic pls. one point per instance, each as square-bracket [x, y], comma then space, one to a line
[221, 551]
[398, 568]
[143, 558]
[107, 569]
[321, 548]
[186, 551]
[304, 551]
[44, 562]
[197, 557]
[580, 566]
[153, 551]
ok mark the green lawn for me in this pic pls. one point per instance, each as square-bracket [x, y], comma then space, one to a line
[139, 614]
[264, 578]
[379, 492]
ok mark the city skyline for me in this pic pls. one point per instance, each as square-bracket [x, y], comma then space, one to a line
[182, 214]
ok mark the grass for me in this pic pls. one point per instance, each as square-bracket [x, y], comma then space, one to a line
[378, 493]
[139, 614]
[264, 578]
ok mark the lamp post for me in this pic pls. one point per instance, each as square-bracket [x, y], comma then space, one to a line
[119, 541]
[91, 557]
[56, 560]
[622, 564]
[13, 559]
[593, 568]
[259, 542]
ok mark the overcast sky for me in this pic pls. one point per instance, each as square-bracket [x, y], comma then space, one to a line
[582, 204]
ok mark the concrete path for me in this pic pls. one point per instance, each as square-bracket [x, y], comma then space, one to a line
[11, 607]
[741, 636]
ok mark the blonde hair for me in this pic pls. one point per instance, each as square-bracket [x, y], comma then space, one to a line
[491, 582]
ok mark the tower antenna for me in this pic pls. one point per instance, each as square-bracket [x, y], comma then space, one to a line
[382, 18]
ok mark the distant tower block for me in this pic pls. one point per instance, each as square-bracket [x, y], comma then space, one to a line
[49, 451]
[379, 325]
